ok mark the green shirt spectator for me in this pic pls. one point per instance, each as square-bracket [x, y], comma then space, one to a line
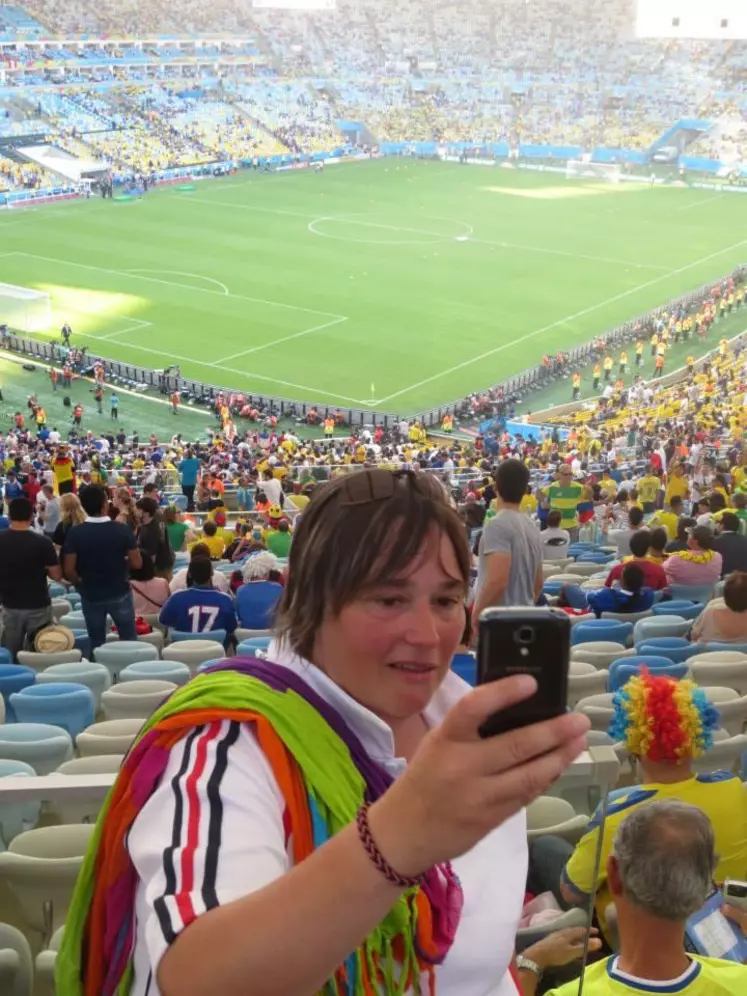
[279, 540]
[564, 495]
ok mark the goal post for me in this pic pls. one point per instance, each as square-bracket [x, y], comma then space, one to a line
[24, 308]
[582, 169]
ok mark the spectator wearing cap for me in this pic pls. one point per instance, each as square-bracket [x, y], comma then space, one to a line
[700, 564]
[257, 598]
[660, 871]
[729, 543]
[27, 560]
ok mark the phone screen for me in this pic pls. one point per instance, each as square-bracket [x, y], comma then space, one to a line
[525, 641]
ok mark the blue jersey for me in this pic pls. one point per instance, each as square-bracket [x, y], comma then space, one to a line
[199, 610]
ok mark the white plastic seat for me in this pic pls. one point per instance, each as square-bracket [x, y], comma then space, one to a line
[41, 867]
[730, 672]
[45, 964]
[39, 662]
[60, 607]
[600, 653]
[85, 812]
[155, 639]
[599, 709]
[250, 634]
[552, 815]
[194, 652]
[135, 699]
[120, 653]
[581, 686]
[732, 711]
[109, 737]
[723, 756]
[16, 964]
[41, 745]
[94, 676]
[631, 617]
[582, 570]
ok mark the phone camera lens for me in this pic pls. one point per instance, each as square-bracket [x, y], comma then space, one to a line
[525, 635]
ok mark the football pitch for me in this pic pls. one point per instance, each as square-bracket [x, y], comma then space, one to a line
[392, 284]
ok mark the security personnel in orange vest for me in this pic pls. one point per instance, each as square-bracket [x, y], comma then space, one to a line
[576, 381]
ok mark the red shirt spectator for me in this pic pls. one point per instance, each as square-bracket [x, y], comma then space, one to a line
[653, 574]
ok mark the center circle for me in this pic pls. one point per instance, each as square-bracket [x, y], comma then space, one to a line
[382, 231]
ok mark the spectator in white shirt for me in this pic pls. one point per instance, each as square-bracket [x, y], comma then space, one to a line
[272, 488]
[621, 537]
[555, 540]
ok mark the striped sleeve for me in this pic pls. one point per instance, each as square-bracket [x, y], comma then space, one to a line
[213, 831]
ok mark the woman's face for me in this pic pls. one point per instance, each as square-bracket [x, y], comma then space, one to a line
[390, 649]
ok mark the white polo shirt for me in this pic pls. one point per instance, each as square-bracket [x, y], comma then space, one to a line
[213, 832]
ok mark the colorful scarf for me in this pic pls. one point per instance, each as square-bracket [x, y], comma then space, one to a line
[323, 789]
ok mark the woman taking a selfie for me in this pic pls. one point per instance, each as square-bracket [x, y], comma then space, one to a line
[288, 828]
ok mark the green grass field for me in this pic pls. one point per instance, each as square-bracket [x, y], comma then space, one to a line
[391, 284]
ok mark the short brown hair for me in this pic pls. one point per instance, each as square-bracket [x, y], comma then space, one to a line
[363, 527]
[735, 591]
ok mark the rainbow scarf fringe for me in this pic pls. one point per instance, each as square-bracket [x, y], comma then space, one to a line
[663, 719]
[323, 789]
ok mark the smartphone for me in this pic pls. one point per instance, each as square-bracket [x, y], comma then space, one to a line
[532, 641]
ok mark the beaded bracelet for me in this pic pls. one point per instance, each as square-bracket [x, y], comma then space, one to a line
[366, 837]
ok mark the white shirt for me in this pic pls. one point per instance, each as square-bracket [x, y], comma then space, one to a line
[178, 883]
[273, 490]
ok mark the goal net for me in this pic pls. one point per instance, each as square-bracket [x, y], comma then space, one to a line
[579, 168]
[24, 309]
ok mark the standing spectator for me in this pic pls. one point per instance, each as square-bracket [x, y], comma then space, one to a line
[272, 488]
[510, 550]
[660, 871]
[13, 488]
[48, 510]
[699, 565]
[63, 467]
[179, 532]
[189, 469]
[564, 494]
[621, 537]
[96, 557]
[114, 407]
[26, 561]
[258, 597]
[153, 537]
[731, 546]
[32, 487]
[71, 514]
[555, 541]
[200, 608]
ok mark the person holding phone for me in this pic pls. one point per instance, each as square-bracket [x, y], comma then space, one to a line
[331, 820]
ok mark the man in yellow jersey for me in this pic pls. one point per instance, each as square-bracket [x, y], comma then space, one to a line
[639, 352]
[608, 364]
[659, 872]
[665, 725]
[623, 362]
[677, 484]
[597, 376]
[576, 381]
[690, 364]
[668, 519]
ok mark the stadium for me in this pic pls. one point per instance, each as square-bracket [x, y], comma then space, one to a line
[356, 360]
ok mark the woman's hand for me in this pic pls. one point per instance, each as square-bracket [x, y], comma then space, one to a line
[460, 786]
[561, 947]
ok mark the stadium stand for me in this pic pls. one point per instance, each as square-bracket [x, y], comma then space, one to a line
[251, 495]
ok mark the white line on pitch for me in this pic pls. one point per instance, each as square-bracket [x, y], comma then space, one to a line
[703, 200]
[561, 321]
[342, 220]
[173, 283]
[136, 325]
[183, 273]
[276, 342]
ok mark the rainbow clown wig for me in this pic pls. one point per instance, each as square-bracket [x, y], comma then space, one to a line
[663, 719]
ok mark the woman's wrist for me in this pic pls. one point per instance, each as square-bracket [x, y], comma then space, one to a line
[402, 848]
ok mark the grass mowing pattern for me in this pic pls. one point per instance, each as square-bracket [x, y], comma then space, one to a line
[396, 284]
